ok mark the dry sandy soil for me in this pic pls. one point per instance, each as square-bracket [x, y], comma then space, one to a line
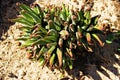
[15, 66]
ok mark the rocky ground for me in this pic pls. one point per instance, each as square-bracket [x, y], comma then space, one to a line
[15, 66]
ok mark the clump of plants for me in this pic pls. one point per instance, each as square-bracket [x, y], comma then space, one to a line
[55, 36]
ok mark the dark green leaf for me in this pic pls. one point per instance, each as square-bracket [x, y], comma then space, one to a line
[36, 18]
[87, 15]
[42, 60]
[94, 20]
[41, 52]
[23, 21]
[110, 38]
[52, 59]
[70, 64]
[29, 42]
[95, 31]
[80, 15]
[27, 16]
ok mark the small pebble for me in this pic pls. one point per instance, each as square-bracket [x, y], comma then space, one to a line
[21, 74]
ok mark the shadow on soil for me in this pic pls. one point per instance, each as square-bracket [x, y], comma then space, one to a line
[93, 64]
[103, 61]
[8, 11]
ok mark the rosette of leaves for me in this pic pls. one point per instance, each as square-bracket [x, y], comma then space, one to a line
[55, 34]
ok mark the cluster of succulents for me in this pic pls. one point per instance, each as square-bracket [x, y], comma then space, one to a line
[55, 35]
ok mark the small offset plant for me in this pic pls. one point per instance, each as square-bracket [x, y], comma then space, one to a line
[55, 35]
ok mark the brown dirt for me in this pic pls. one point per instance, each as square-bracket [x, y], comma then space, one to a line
[15, 66]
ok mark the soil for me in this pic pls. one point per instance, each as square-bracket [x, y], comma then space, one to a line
[14, 65]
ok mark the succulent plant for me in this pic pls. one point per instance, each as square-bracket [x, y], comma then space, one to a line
[56, 34]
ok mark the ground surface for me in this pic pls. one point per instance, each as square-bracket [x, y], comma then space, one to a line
[15, 66]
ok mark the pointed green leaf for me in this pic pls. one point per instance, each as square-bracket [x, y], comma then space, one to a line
[41, 42]
[29, 42]
[70, 64]
[57, 27]
[52, 59]
[36, 18]
[98, 39]
[27, 16]
[42, 28]
[59, 55]
[64, 61]
[26, 8]
[80, 15]
[70, 53]
[52, 32]
[95, 31]
[87, 21]
[23, 21]
[41, 52]
[45, 40]
[51, 38]
[51, 50]
[87, 15]
[37, 9]
[110, 38]
[42, 60]
[94, 20]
